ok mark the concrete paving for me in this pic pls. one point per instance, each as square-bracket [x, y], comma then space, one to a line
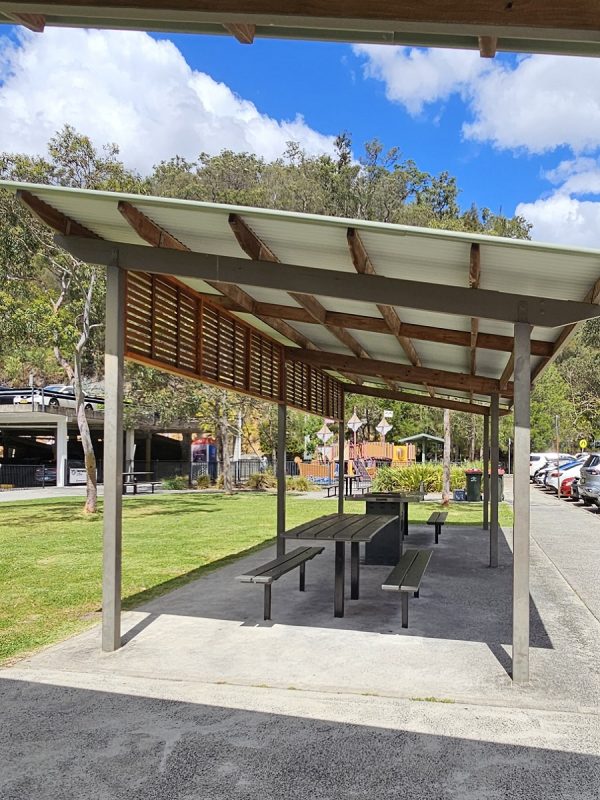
[207, 700]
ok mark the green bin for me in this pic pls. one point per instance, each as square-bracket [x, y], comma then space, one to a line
[474, 477]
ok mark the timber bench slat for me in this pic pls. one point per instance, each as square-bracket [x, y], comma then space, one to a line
[438, 518]
[273, 570]
[406, 577]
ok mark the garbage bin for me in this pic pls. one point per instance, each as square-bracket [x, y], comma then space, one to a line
[474, 477]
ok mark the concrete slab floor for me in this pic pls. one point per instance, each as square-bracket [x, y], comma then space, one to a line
[207, 700]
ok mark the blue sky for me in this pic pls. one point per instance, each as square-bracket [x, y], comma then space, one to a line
[325, 83]
[519, 133]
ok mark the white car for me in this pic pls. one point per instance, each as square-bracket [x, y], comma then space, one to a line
[539, 461]
[570, 470]
[58, 396]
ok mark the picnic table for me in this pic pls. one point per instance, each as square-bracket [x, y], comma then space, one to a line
[343, 528]
[135, 480]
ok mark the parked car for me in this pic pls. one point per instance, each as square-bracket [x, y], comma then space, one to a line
[569, 470]
[575, 490]
[45, 475]
[7, 395]
[540, 461]
[542, 474]
[589, 480]
[58, 396]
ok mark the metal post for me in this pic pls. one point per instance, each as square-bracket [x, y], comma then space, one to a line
[340, 569]
[129, 450]
[113, 458]
[522, 383]
[341, 441]
[486, 472]
[281, 452]
[494, 456]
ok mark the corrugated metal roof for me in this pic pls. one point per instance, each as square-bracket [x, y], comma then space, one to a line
[426, 255]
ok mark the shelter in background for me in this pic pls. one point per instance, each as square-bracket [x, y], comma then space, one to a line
[421, 440]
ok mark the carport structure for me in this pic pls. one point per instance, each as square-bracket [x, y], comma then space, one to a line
[300, 310]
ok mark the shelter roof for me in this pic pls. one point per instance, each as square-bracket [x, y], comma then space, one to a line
[538, 26]
[418, 437]
[395, 346]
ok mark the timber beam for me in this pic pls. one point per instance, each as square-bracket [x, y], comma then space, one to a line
[33, 22]
[364, 266]
[53, 218]
[359, 322]
[505, 306]
[418, 399]
[399, 372]
[242, 32]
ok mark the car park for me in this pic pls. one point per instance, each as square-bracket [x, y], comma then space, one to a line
[589, 480]
[540, 461]
[58, 396]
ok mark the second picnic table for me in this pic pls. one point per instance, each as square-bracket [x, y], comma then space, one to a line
[343, 528]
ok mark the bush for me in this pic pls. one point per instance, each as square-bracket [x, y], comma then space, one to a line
[259, 481]
[409, 479]
[203, 482]
[175, 482]
[298, 483]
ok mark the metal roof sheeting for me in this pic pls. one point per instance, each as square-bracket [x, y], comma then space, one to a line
[426, 255]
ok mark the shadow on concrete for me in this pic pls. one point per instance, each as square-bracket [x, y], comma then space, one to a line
[461, 599]
[69, 743]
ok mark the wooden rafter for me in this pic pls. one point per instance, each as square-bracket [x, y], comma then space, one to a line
[420, 400]
[258, 250]
[488, 45]
[363, 265]
[53, 218]
[243, 33]
[426, 333]
[34, 22]
[157, 236]
[400, 372]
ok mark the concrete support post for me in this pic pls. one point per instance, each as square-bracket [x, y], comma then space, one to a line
[129, 449]
[281, 453]
[341, 460]
[486, 472]
[113, 458]
[494, 457]
[62, 438]
[522, 382]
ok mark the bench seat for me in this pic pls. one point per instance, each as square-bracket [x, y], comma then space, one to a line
[406, 577]
[273, 570]
[438, 518]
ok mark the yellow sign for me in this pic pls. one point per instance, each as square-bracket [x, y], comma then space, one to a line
[583, 443]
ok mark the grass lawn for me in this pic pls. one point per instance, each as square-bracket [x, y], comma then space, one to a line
[50, 570]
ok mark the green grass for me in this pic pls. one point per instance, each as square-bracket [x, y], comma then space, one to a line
[50, 570]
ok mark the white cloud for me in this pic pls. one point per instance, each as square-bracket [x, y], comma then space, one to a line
[537, 102]
[415, 77]
[564, 219]
[129, 88]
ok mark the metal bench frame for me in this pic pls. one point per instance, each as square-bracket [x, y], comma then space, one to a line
[438, 518]
[273, 570]
[406, 577]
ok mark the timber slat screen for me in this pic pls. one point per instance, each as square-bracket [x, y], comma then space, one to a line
[171, 326]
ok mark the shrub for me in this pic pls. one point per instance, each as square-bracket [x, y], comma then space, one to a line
[298, 483]
[175, 482]
[203, 482]
[409, 479]
[260, 481]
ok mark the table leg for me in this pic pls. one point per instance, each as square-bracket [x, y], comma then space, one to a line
[340, 566]
[405, 519]
[400, 538]
[354, 570]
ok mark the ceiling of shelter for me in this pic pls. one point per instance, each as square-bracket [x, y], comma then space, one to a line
[532, 26]
[395, 347]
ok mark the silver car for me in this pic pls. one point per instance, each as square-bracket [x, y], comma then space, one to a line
[589, 481]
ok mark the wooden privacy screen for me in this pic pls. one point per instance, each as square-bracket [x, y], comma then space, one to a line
[172, 327]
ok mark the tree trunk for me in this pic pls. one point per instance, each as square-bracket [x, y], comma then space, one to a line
[224, 437]
[446, 464]
[91, 496]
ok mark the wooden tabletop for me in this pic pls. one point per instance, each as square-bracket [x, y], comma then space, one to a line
[342, 527]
